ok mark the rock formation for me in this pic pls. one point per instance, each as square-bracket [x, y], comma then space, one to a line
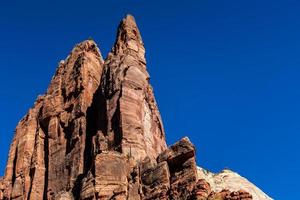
[229, 180]
[97, 134]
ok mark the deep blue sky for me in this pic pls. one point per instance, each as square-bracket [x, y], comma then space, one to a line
[225, 73]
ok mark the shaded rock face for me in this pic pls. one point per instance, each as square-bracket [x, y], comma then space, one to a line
[97, 134]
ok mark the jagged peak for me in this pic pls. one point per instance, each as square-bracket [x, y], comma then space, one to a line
[128, 30]
[71, 68]
[129, 39]
[88, 45]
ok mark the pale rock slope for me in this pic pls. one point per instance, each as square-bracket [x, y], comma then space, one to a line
[229, 180]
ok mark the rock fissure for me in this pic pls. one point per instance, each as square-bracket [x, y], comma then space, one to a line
[46, 159]
[13, 178]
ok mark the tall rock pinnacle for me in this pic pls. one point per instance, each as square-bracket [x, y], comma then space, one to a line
[134, 122]
[97, 134]
[129, 39]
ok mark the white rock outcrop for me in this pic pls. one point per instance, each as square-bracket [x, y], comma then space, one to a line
[227, 179]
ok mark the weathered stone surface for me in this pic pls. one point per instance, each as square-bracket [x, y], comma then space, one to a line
[177, 153]
[227, 195]
[20, 165]
[201, 191]
[87, 190]
[134, 181]
[1, 188]
[64, 196]
[232, 181]
[155, 179]
[97, 134]
[183, 169]
[111, 176]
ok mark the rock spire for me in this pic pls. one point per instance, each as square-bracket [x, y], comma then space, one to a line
[97, 134]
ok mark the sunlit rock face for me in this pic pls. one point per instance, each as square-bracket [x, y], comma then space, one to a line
[229, 180]
[134, 126]
[97, 134]
[47, 152]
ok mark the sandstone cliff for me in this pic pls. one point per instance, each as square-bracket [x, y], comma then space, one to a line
[97, 134]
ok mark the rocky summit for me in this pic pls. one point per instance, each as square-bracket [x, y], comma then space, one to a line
[97, 134]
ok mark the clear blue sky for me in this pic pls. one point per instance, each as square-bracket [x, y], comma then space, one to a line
[225, 73]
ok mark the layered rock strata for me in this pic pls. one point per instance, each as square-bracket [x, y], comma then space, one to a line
[97, 134]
